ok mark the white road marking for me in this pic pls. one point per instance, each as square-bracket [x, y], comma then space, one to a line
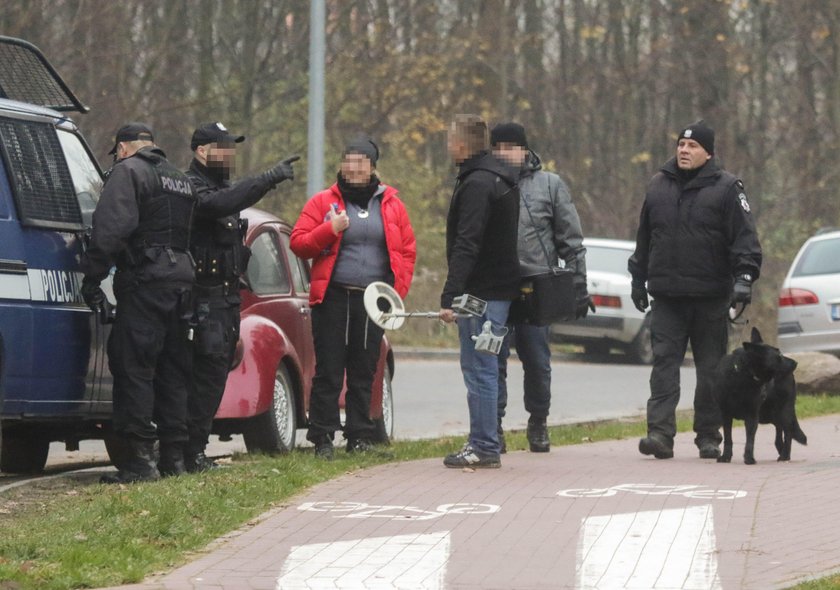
[410, 562]
[671, 549]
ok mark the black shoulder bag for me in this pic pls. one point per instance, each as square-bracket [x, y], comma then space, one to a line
[548, 296]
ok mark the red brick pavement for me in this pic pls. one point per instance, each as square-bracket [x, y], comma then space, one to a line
[732, 526]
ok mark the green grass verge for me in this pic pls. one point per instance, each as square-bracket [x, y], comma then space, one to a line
[71, 532]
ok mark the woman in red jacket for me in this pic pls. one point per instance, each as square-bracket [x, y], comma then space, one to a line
[356, 232]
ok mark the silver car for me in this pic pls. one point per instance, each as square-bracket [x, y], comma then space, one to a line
[809, 300]
[617, 323]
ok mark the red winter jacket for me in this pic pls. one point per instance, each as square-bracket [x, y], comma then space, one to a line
[312, 237]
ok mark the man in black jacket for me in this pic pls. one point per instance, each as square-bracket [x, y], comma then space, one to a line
[481, 254]
[142, 225]
[221, 259]
[698, 251]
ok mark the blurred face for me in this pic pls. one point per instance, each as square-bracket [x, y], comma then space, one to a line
[217, 155]
[356, 169]
[511, 153]
[457, 146]
[691, 155]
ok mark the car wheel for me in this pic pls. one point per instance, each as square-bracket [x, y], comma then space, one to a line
[274, 431]
[385, 424]
[641, 349]
[23, 452]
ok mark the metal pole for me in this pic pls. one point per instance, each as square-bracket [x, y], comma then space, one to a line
[317, 53]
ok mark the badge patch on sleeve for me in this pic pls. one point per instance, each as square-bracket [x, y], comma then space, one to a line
[742, 198]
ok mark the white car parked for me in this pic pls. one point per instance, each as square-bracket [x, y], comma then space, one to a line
[809, 300]
[617, 323]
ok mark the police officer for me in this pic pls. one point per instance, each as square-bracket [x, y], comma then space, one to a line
[221, 259]
[698, 251]
[142, 225]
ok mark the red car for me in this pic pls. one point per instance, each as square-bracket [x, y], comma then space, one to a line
[267, 393]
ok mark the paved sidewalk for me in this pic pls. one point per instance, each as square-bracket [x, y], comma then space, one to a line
[589, 516]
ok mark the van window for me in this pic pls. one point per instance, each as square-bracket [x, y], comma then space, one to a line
[822, 257]
[87, 181]
[40, 179]
[266, 269]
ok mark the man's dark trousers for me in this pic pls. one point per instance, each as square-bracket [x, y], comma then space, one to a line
[676, 322]
[150, 356]
[216, 335]
[531, 343]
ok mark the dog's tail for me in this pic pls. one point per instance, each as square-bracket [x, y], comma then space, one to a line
[797, 433]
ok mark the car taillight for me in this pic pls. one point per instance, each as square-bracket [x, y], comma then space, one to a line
[606, 301]
[789, 297]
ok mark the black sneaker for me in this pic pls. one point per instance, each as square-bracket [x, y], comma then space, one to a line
[199, 463]
[358, 445]
[537, 434]
[652, 445]
[470, 457]
[324, 449]
[709, 450]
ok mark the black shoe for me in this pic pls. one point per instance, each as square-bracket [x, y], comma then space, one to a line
[709, 450]
[199, 463]
[502, 443]
[368, 447]
[324, 449]
[538, 435]
[652, 445]
[139, 466]
[124, 476]
[171, 461]
[470, 457]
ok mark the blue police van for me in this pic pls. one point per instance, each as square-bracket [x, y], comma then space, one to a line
[54, 379]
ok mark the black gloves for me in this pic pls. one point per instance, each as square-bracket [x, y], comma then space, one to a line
[282, 171]
[583, 303]
[92, 293]
[639, 295]
[741, 291]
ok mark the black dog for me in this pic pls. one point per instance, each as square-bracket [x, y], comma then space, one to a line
[755, 384]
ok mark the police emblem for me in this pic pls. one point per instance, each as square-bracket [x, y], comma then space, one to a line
[687, 133]
[221, 127]
[744, 204]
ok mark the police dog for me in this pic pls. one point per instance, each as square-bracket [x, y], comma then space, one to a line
[755, 384]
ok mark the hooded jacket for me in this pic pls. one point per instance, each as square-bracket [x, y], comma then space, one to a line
[481, 230]
[548, 223]
[693, 239]
[312, 237]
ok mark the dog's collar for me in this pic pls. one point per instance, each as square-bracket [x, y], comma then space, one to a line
[753, 375]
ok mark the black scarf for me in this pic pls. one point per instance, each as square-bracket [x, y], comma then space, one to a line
[358, 195]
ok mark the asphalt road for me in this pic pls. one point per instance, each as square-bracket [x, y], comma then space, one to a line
[430, 400]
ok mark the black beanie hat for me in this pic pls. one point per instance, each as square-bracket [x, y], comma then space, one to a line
[363, 145]
[509, 133]
[701, 133]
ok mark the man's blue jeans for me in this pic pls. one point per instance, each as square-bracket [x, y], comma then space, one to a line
[481, 376]
[531, 343]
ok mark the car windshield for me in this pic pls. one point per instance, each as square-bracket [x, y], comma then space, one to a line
[607, 259]
[819, 258]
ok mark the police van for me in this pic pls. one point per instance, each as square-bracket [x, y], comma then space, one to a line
[54, 380]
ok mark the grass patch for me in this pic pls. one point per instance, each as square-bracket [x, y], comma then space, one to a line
[71, 532]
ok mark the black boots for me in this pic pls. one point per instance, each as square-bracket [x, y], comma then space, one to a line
[139, 466]
[199, 462]
[657, 446]
[171, 459]
[538, 435]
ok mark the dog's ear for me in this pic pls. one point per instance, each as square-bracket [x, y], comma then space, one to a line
[788, 365]
[755, 336]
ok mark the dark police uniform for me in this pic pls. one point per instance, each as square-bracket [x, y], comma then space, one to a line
[142, 224]
[221, 260]
[695, 237]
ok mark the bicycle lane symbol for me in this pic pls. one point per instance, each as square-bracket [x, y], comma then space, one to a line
[394, 512]
[648, 489]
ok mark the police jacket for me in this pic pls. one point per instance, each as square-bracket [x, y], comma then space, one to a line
[481, 230]
[548, 223]
[142, 224]
[221, 257]
[693, 239]
[312, 237]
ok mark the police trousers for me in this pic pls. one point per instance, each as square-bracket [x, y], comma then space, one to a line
[216, 334]
[150, 355]
[676, 322]
[346, 343]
